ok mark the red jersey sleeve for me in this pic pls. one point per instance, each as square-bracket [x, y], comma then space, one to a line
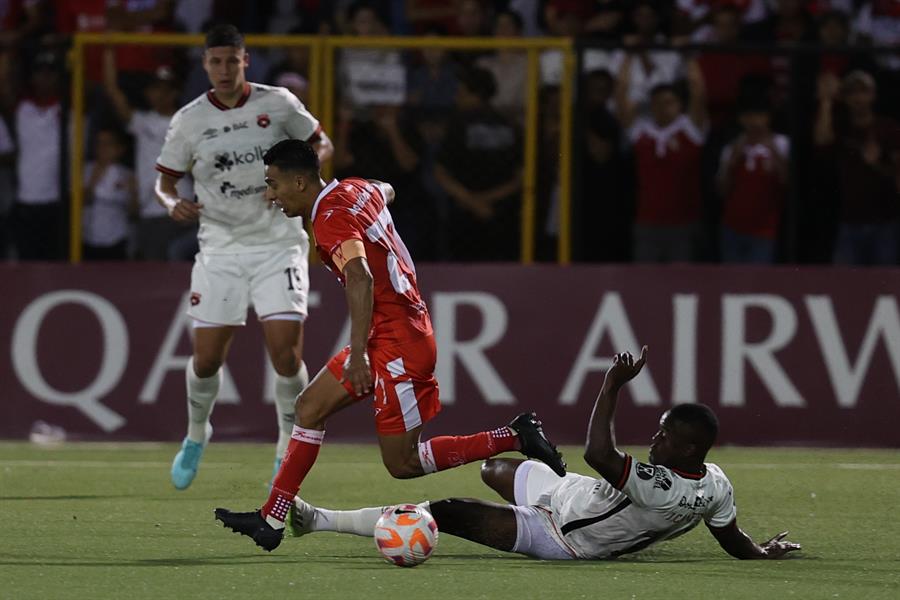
[333, 227]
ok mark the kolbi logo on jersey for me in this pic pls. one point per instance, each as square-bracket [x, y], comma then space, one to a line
[263, 120]
[224, 161]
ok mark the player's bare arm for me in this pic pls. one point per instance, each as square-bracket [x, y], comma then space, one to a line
[324, 147]
[180, 209]
[359, 290]
[601, 452]
[740, 545]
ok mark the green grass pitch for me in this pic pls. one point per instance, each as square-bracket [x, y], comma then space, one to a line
[102, 521]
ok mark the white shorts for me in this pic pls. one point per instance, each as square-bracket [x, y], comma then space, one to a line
[223, 286]
[536, 533]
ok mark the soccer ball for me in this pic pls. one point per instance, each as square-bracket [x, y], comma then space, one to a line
[406, 535]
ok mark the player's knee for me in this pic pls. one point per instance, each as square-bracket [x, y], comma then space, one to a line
[404, 469]
[310, 414]
[286, 363]
[206, 366]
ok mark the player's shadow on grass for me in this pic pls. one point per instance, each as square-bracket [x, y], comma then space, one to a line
[68, 497]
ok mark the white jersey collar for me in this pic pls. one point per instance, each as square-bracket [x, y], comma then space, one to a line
[321, 195]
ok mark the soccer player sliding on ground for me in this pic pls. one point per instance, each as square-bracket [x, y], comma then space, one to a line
[576, 517]
[391, 353]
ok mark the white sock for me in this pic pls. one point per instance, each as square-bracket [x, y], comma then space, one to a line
[358, 522]
[201, 396]
[286, 391]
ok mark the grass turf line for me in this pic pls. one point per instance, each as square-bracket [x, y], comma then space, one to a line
[97, 521]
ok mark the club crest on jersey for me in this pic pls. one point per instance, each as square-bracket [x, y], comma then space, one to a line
[263, 120]
[645, 471]
[195, 298]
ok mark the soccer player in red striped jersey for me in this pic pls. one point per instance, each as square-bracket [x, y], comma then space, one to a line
[392, 351]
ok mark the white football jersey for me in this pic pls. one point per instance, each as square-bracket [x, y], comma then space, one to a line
[649, 504]
[223, 148]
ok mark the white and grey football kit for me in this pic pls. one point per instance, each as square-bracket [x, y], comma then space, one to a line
[250, 254]
[578, 517]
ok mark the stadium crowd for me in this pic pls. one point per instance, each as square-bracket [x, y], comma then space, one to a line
[755, 131]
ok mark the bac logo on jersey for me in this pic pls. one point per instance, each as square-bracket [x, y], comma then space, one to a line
[644, 471]
[263, 120]
[195, 298]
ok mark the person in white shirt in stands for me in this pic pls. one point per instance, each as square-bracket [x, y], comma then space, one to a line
[155, 230]
[7, 187]
[249, 253]
[575, 517]
[38, 211]
[110, 197]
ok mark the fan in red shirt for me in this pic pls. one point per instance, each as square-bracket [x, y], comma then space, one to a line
[391, 353]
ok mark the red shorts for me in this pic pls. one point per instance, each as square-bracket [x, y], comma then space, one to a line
[406, 392]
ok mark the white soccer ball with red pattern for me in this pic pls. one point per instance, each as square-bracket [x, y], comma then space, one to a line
[406, 535]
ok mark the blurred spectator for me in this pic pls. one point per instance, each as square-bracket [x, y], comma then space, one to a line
[667, 150]
[432, 81]
[878, 23]
[38, 212]
[7, 189]
[85, 16]
[370, 76]
[598, 90]
[607, 22]
[753, 176]
[479, 169]
[156, 230]
[865, 149]
[530, 13]
[383, 143]
[564, 19]
[649, 69]
[724, 71]
[424, 15]
[293, 59]
[790, 24]
[296, 84]
[191, 15]
[607, 186]
[694, 17]
[509, 68]
[110, 196]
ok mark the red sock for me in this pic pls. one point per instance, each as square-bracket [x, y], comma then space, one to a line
[299, 458]
[446, 452]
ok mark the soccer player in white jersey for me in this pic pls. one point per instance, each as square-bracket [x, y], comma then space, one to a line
[634, 505]
[249, 253]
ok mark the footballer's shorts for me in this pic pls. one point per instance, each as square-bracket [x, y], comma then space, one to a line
[537, 534]
[274, 282]
[406, 392]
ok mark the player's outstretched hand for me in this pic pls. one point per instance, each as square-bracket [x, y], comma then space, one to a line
[185, 211]
[625, 368]
[778, 547]
[358, 373]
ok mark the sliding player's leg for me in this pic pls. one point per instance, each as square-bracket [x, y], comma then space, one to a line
[527, 530]
[324, 396]
[202, 380]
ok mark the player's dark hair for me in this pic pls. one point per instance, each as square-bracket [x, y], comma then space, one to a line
[224, 34]
[293, 155]
[697, 419]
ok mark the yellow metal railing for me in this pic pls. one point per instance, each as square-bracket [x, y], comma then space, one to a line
[322, 103]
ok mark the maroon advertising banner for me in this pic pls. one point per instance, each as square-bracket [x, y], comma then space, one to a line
[783, 355]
